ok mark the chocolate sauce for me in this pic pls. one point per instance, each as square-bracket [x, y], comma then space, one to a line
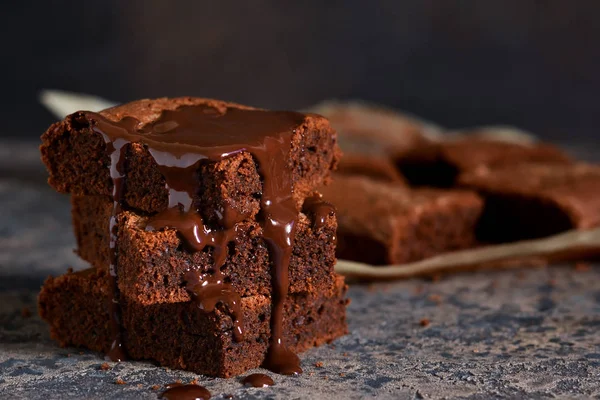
[179, 141]
[117, 150]
[179, 391]
[258, 380]
[319, 208]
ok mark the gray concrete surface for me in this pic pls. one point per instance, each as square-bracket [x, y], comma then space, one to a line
[504, 334]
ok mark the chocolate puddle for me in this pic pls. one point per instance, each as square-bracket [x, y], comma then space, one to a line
[179, 391]
[257, 380]
[179, 141]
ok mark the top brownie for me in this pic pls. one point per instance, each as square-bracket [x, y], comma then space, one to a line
[78, 160]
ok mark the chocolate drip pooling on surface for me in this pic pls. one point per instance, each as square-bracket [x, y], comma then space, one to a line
[179, 141]
[179, 391]
[258, 380]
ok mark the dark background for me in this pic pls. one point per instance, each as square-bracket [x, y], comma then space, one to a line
[529, 63]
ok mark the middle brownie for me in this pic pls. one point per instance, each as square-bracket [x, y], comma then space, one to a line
[151, 265]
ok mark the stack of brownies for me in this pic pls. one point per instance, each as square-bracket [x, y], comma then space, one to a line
[209, 248]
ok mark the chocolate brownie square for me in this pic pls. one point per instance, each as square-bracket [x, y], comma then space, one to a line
[151, 264]
[534, 200]
[439, 164]
[78, 159]
[378, 168]
[178, 334]
[385, 223]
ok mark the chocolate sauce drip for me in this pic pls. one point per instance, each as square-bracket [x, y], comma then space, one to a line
[179, 391]
[179, 141]
[117, 150]
[258, 380]
[319, 208]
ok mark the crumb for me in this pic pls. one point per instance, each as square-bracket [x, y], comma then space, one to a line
[582, 267]
[436, 298]
[311, 373]
[104, 367]
[342, 374]
[424, 322]
[345, 354]
[167, 369]
[155, 387]
[319, 364]
[25, 312]
[193, 382]
[120, 381]
[140, 385]
[326, 377]
[332, 346]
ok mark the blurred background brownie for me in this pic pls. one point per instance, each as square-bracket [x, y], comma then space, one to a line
[533, 200]
[384, 223]
[439, 164]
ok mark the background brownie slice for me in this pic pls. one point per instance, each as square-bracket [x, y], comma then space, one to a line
[151, 265]
[378, 168]
[373, 129]
[439, 164]
[178, 334]
[78, 162]
[382, 223]
[535, 200]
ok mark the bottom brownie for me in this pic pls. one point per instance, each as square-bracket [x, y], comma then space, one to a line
[179, 335]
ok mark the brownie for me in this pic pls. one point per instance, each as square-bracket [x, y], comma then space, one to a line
[151, 265]
[178, 334]
[78, 161]
[383, 223]
[534, 200]
[371, 129]
[378, 168]
[439, 164]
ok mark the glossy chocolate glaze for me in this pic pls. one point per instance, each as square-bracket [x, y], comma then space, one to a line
[319, 208]
[258, 380]
[179, 391]
[179, 141]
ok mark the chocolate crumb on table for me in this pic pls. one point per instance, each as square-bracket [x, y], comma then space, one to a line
[172, 199]
[120, 381]
[535, 200]
[440, 164]
[381, 223]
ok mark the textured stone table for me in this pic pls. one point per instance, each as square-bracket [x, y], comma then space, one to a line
[505, 334]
